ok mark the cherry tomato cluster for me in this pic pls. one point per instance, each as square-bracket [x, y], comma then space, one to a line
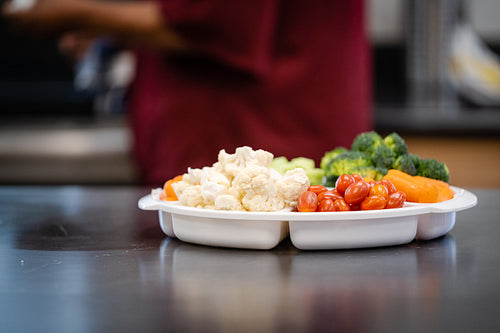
[351, 192]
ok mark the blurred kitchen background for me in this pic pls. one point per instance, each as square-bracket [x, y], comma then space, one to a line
[436, 81]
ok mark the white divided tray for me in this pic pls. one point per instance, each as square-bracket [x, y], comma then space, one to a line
[309, 231]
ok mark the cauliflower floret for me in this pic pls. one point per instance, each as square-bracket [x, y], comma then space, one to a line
[241, 181]
[180, 186]
[231, 164]
[214, 175]
[258, 189]
[210, 190]
[263, 203]
[212, 183]
[193, 176]
[192, 197]
[292, 184]
[228, 202]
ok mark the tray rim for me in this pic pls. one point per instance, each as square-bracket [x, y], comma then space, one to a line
[463, 200]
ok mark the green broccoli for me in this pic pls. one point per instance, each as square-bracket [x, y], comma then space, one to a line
[406, 163]
[330, 155]
[329, 181]
[366, 142]
[346, 162]
[396, 144]
[383, 156]
[373, 172]
[414, 158]
[432, 168]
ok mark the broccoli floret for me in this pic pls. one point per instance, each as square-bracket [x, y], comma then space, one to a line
[329, 181]
[330, 155]
[396, 144]
[366, 142]
[346, 162]
[406, 163]
[414, 158]
[431, 168]
[383, 156]
[373, 172]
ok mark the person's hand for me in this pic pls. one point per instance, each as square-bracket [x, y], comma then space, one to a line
[137, 23]
[42, 17]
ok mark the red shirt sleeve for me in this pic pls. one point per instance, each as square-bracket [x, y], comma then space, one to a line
[235, 32]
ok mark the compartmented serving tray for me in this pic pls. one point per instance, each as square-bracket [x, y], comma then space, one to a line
[309, 231]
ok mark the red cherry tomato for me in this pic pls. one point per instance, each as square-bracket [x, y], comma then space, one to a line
[356, 193]
[379, 189]
[373, 202]
[388, 185]
[396, 200]
[341, 206]
[329, 194]
[326, 205]
[343, 183]
[355, 207]
[357, 178]
[317, 189]
[307, 202]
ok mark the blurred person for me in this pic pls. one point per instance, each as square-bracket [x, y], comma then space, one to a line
[291, 76]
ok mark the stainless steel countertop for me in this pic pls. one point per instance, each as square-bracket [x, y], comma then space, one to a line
[86, 259]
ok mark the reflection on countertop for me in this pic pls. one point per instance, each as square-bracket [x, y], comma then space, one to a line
[212, 282]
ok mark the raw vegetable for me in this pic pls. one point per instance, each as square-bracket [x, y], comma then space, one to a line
[396, 144]
[406, 163]
[379, 190]
[343, 182]
[168, 193]
[445, 191]
[242, 181]
[282, 165]
[351, 193]
[419, 189]
[330, 155]
[326, 205]
[395, 200]
[372, 156]
[307, 202]
[373, 202]
[356, 193]
[431, 168]
[367, 142]
[348, 162]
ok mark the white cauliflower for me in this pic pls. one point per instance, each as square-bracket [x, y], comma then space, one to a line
[241, 181]
[228, 202]
[210, 190]
[192, 197]
[257, 189]
[231, 164]
[180, 186]
[212, 183]
[292, 184]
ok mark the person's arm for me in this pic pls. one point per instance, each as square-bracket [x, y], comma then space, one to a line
[139, 23]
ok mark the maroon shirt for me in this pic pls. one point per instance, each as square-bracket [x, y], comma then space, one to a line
[291, 77]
